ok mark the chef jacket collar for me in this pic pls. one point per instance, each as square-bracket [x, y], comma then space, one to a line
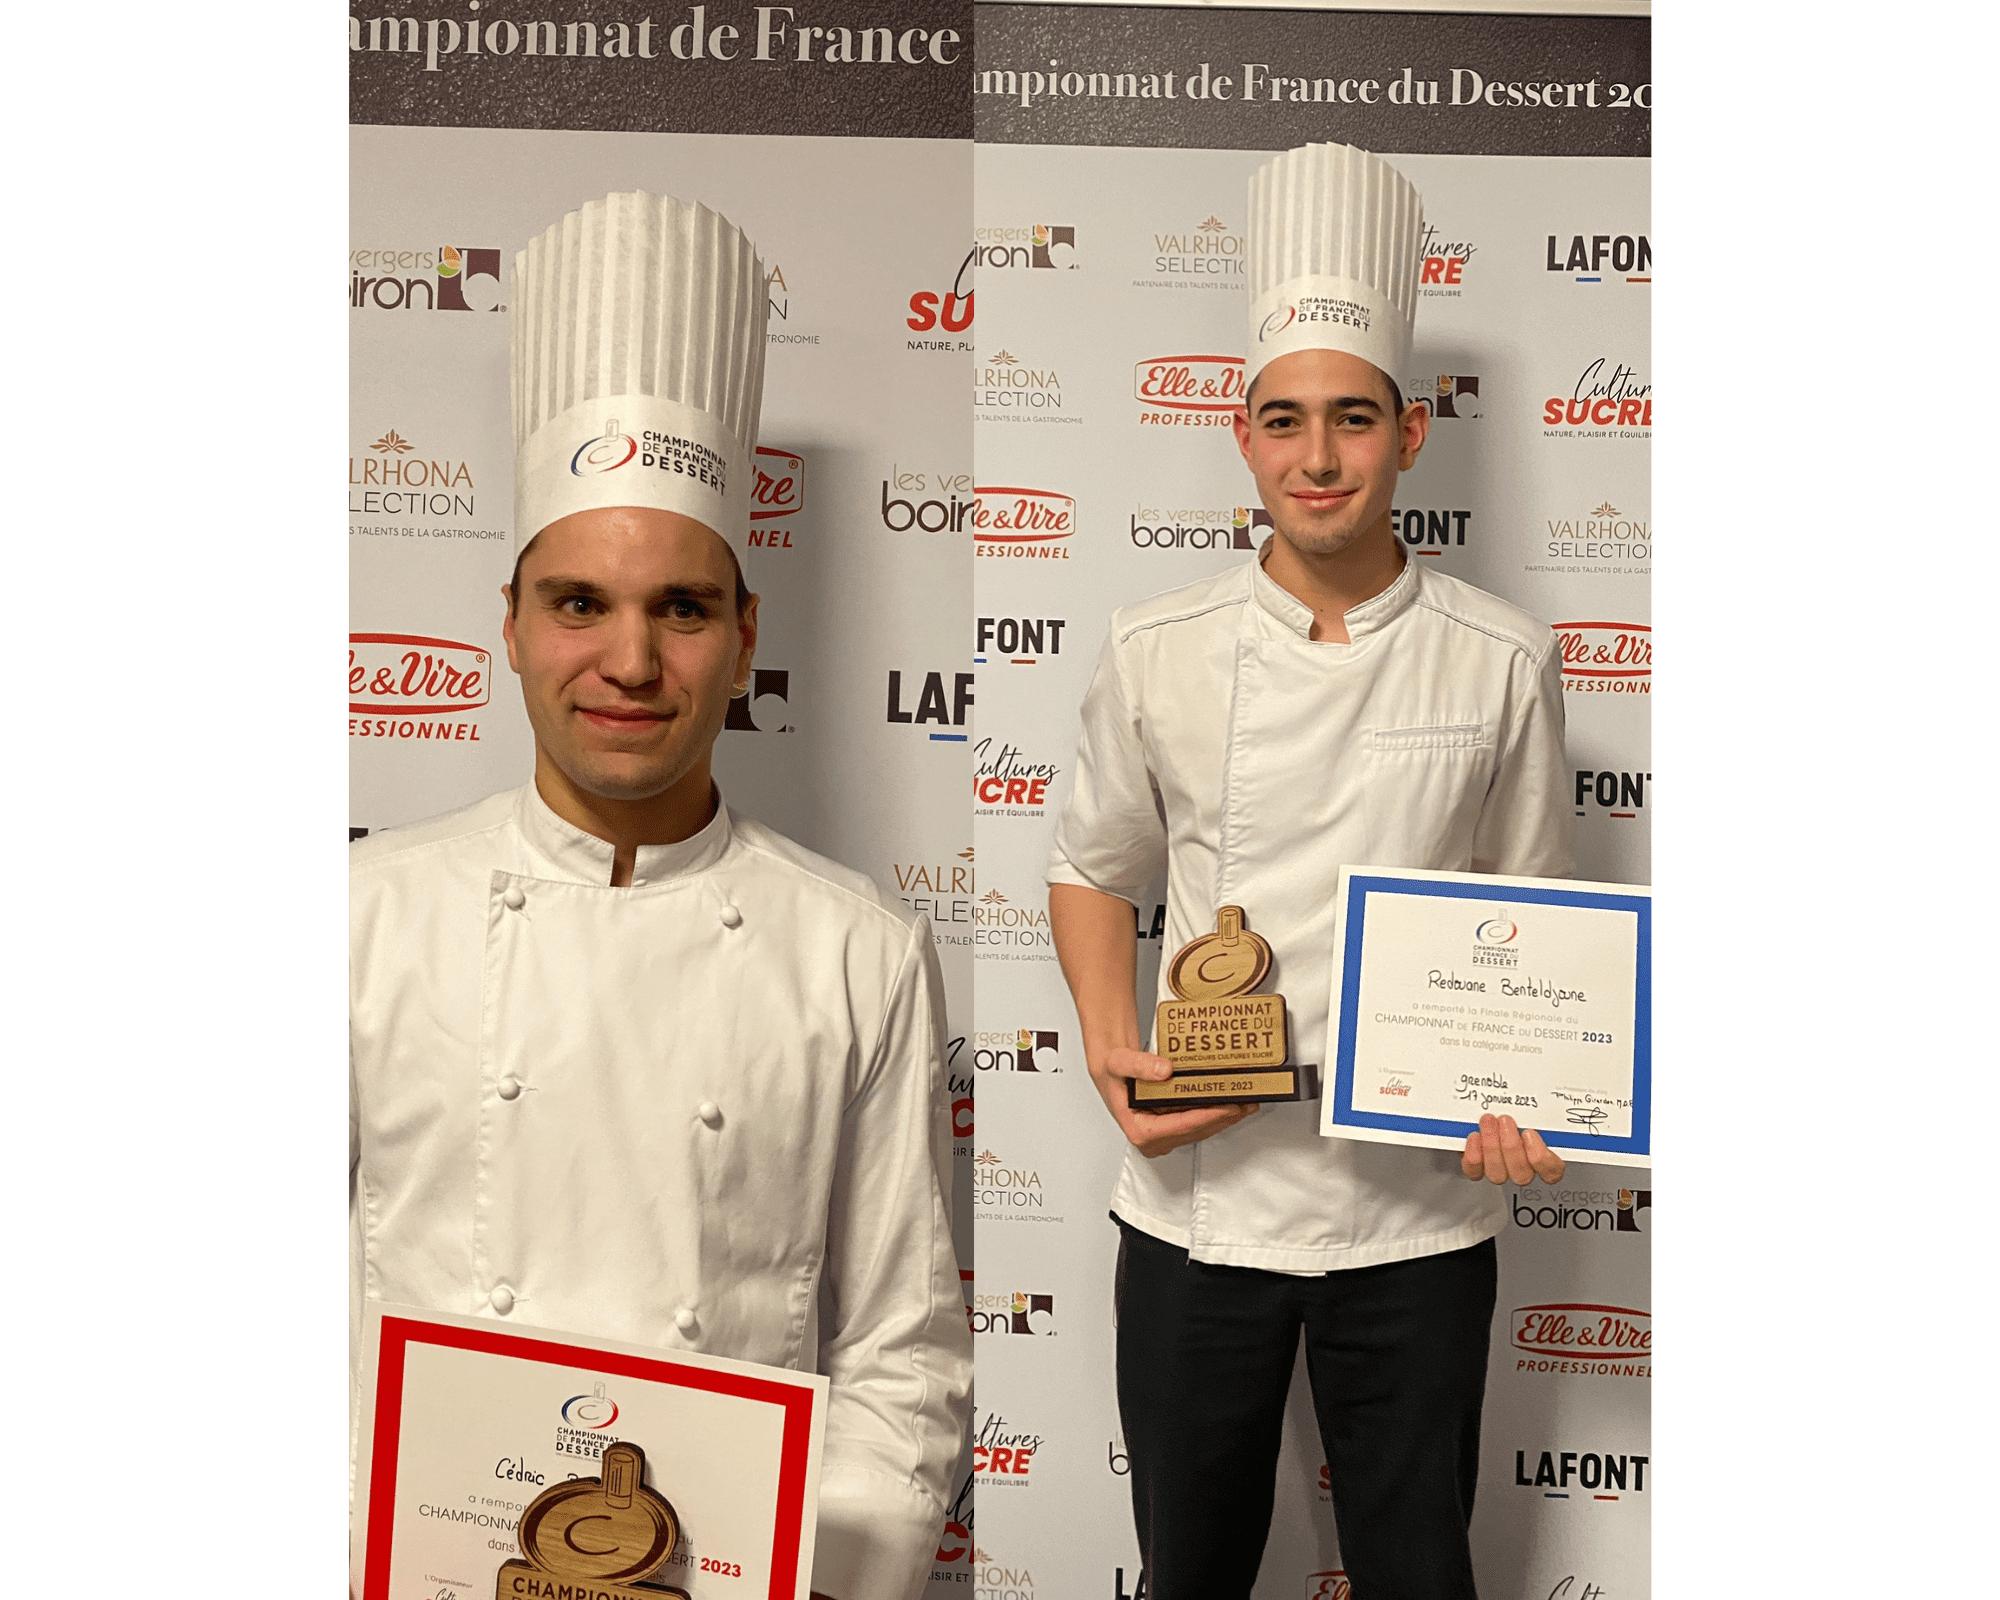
[1368, 617]
[569, 854]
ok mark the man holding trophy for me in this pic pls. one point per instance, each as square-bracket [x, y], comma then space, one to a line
[626, 1064]
[1328, 704]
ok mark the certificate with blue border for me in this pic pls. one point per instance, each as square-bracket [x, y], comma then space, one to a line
[1456, 994]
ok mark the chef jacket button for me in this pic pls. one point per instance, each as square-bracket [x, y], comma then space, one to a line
[510, 1088]
[731, 917]
[513, 899]
[684, 1320]
[638, 883]
[710, 1113]
[502, 1299]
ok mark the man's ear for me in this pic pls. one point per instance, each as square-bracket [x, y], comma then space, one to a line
[507, 626]
[1415, 427]
[1239, 421]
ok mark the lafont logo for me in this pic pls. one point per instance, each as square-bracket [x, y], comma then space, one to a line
[1587, 256]
[609, 451]
[1606, 657]
[594, 1410]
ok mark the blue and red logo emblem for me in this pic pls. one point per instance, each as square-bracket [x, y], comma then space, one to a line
[594, 1410]
[1496, 930]
[609, 451]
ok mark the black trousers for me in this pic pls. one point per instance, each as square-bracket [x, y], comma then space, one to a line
[1397, 1359]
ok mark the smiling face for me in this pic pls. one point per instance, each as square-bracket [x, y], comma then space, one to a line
[624, 629]
[1320, 436]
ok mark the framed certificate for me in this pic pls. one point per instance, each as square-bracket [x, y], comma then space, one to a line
[465, 1422]
[1457, 993]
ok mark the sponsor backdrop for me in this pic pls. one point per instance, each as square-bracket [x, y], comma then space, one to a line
[1113, 149]
[838, 138]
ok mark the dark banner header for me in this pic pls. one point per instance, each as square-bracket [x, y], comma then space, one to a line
[898, 69]
[1235, 79]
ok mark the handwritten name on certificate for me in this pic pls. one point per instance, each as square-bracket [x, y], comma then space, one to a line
[1459, 994]
[466, 1421]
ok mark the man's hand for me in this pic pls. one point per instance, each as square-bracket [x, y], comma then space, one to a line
[1154, 1133]
[1501, 1153]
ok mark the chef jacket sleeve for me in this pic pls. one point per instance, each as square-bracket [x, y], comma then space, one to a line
[894, 1339]
[1524, 826]
[1113, 834]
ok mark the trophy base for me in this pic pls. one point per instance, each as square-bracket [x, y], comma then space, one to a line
[1190, 1091]
[519, 1581]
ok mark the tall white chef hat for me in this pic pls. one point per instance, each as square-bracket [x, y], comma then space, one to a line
[1335, 244]
[638, 365]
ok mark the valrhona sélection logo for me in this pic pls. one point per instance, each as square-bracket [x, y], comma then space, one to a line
[409, 686]
[1022, 389]
[1022, 523]
[1606, 657]
[393, 478]
[1208, 255]
[1198, 391]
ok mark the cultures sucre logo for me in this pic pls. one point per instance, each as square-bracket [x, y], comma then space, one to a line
[1201, 528]
[411, 686]
[1016, 523]
[444, 277]
[1604, 540]
[1208, 254]
[1607, 401]
[1581, 1339]
[938, 313]
[1010, 388]
[1006, 1190]
[1601, 257]
[1194, 391]
[1003, 1452]
[1005, 783]
[1445, 260]
[1606, 657]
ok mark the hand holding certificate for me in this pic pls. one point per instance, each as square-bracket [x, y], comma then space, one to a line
[1459, 996]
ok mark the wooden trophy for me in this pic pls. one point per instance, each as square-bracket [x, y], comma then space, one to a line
[611, 1531]
[1225, 1044]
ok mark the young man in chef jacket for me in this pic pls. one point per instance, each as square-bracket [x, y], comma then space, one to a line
[1329, 703]
[625, 1063]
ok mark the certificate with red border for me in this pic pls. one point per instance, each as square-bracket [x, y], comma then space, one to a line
[464, 1420]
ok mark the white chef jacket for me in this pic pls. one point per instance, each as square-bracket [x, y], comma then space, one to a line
[1221, 739]
[705, 1112]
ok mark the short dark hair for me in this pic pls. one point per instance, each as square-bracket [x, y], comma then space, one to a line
[514, 584]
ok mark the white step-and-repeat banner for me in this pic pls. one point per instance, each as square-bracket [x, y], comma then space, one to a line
[1113, 149]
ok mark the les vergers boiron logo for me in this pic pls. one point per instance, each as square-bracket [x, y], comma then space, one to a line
[1189, 391]
[1606, 657]
[1022, 523]
[397, 683]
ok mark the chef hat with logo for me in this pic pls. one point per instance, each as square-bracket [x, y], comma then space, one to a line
[1335, 245]
[638, 365]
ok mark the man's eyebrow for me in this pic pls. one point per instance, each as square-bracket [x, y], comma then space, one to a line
[687, 591]
[1358, 402]
[555, 588]
[1278, 403]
